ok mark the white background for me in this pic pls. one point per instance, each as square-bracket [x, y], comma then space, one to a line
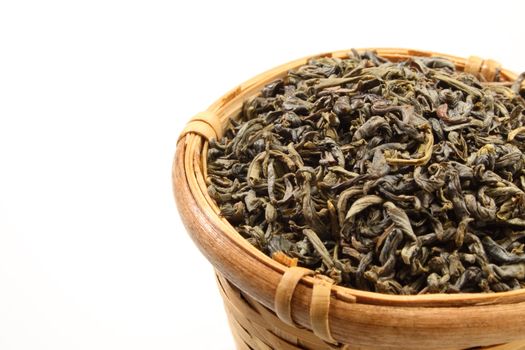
[92, 97]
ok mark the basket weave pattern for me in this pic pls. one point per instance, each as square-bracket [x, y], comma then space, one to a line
[273, 306]
[255, 327]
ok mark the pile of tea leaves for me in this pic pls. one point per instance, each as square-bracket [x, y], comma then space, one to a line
[393, 177]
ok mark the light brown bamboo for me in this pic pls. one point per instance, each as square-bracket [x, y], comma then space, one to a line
[352, 317]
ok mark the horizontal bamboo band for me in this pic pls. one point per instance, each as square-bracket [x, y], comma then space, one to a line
[205, 124]
[285, 290]
[482, 68]
[255, 327]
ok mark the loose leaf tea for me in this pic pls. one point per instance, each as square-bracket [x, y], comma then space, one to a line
[393, 177]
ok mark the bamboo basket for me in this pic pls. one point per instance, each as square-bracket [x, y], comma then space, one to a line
[273, 306]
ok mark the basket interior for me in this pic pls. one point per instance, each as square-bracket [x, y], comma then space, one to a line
[229, 106]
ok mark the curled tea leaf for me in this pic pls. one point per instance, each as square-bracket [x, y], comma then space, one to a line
[499, 254]
[401, 220]
[510, 271]
[319, 247]
[361, 204]
[513, 133]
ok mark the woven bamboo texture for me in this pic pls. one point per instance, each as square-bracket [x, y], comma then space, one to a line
[274, 306]
[257, 327]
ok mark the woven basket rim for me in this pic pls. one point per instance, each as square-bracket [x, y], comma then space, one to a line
[218, 109]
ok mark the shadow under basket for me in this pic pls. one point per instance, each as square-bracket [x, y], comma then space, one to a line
[271, 306]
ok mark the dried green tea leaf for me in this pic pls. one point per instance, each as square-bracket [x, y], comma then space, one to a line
[394, 177]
